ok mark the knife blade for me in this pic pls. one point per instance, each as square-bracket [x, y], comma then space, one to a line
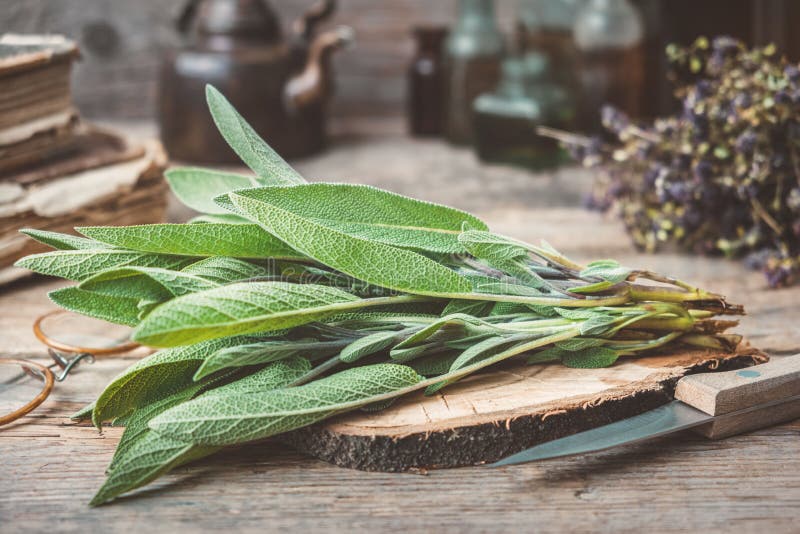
[721, 404]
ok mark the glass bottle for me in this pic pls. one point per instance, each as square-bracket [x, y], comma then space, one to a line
[545, 26]
[474, 50]
[506, 119]
[426, 79]
[609, 37]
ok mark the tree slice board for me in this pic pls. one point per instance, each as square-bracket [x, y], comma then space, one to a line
[486, 417]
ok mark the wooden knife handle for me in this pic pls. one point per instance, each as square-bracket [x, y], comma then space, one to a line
[723, 393]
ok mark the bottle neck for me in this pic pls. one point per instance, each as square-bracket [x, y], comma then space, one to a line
[476, 13]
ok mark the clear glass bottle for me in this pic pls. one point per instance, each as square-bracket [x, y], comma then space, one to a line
[609, 36]
[475, 48]
[506, 119]
[426, 77]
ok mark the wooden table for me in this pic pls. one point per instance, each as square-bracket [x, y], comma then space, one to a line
[50, 467]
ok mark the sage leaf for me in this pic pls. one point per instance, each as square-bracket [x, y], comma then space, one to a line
[368, 345]
[197, 188]
[209, 239]
[147, 459]
[264, 352]
[149, 455]
[487, 347]
[371, 262]
[80, 264]
[225, 270]
[136, 424]
[580, 343]
[590, 358]
[62, 241]
[245, 308]
[114, 309]
[476, 308]
[163, 282]
[607, 270]
[247, 144]
[155, 377]
[491, 247]
[237, 418]
[372, 214]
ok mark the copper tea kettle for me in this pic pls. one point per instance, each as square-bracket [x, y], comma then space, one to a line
[280, 86]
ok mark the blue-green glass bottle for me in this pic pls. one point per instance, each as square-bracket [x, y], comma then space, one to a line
[506, 119]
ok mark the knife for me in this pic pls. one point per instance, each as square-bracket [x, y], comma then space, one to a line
[716, 405]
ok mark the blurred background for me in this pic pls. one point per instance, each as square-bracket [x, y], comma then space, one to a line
[490, 106]
[123, 43]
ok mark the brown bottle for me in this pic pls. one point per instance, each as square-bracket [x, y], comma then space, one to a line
[280, 87]
[426, 77]
[475, 47]
[609, 36]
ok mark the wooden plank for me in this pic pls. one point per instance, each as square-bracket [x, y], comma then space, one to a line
[492, 415]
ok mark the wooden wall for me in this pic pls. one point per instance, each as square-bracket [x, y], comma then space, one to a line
[122, 41]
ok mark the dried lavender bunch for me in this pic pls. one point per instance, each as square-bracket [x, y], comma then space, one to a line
[722, 176]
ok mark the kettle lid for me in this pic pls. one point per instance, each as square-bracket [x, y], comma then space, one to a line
[254, 19]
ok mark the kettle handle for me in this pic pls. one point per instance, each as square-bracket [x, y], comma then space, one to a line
[305, 25]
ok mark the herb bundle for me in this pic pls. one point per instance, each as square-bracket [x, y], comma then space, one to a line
[289, 302]
[722, 175]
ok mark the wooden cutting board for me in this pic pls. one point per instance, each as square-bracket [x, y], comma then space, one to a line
[489, 416]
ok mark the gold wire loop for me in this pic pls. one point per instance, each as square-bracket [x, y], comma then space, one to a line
[64, 347]
[43, 372]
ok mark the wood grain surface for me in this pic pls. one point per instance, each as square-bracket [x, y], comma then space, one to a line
[50, 467]
[491, 415]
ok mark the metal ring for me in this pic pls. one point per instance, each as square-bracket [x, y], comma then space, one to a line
[41, 336]
[49, 381]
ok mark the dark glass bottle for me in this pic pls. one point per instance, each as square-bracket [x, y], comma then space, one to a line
[545, 26]
[474, 50]
[426, 77]
[506, 119]
[609, 36]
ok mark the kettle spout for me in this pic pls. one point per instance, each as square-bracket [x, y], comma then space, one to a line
[314, 84]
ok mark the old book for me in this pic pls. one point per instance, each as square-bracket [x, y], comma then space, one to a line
[37, 118]
[101, 186]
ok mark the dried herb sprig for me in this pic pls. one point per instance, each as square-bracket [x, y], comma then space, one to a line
[286, 303]
[722, 175]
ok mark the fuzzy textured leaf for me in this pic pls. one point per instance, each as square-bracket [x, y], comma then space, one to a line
[244, 308]
[114, 309]
[371, 262]
[62, 241]
[244, 140]
[372, 214]
[208, 239]
[197, 188]
[237, 418]
[80, 264]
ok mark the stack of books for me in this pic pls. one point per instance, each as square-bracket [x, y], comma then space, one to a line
[56, 170]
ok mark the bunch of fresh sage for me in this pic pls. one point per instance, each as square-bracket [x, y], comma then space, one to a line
[288, 302]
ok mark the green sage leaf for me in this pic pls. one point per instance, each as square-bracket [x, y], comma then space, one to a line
[244, 140]
[197, 188]
[245, 308]
[62, 241]
[372, 214]
[590, 358]
[237, 418]
[209, 239]
[114, 309]
[375, 263]
[80, 264]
